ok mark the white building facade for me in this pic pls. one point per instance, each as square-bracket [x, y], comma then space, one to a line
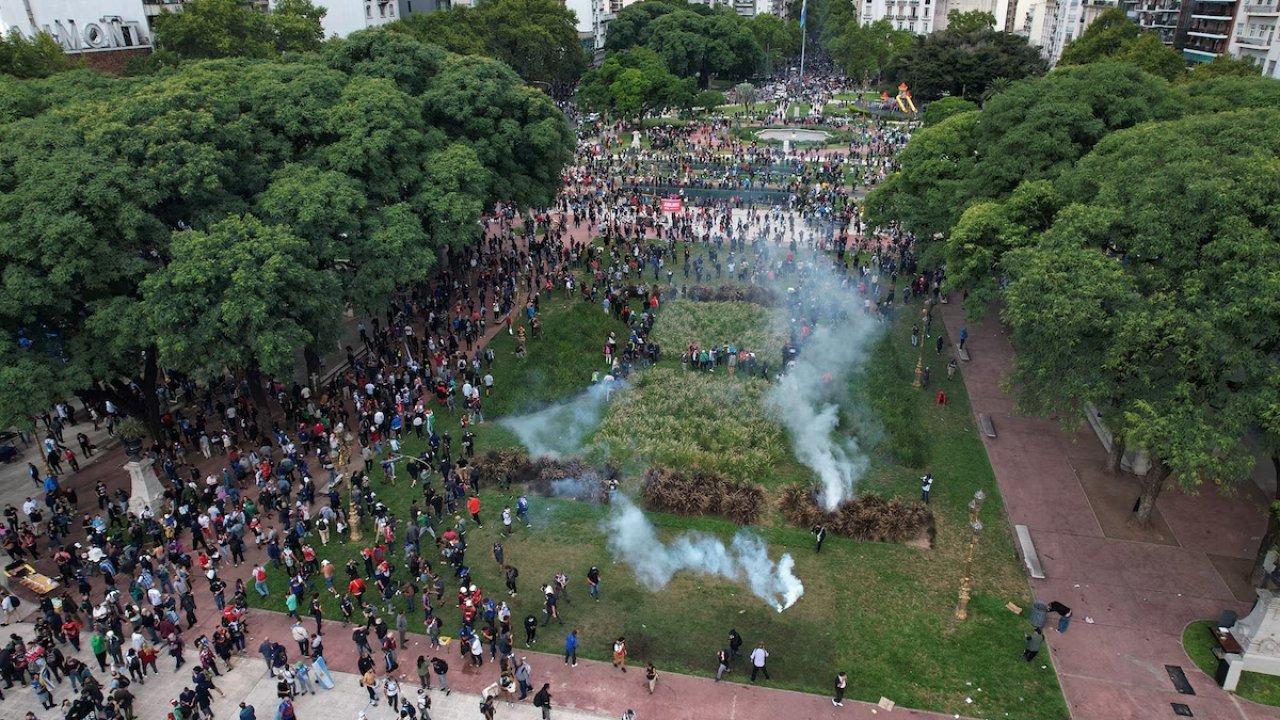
[1253, 36]
[81, 26]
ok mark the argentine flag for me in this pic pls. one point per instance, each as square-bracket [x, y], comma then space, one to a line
[804, 10]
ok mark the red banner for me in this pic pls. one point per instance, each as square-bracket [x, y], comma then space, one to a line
[672, 204]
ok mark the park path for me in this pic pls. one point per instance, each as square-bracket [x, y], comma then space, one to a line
[1139, 587]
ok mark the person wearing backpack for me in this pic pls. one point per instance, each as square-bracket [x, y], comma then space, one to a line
[543, 700]
[441, 669]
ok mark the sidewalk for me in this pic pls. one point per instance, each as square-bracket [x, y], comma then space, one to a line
[1140, 586]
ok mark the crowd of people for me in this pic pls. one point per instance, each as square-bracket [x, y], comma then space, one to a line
[253, 472]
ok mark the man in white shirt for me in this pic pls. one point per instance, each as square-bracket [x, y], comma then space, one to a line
[758, 658]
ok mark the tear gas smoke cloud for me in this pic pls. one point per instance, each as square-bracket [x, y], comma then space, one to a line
[808, 396]
[559, 430]
[633, 540]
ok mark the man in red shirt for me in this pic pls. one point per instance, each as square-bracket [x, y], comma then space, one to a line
[473, 506]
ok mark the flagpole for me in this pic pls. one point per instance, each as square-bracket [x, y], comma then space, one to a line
[804, 34]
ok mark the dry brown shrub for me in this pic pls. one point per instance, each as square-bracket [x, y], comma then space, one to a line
[568, 477]
[666, 490]
[866, 517]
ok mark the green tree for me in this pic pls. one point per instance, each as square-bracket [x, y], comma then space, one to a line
[745, 92]
[1215, 94]
[38, 57]
[376, 153]
[243, 294]
[1173, 223]
[297, 25]
[935, 183]
[215, 29]
[864, 51]
[963, 64]
[1036, 130]
[536, 38]
[1224, 66]
[459, 30]
[1113, 36]
[971, 21]
[634, 83]
[778, 39]
[709, 100]
[943, 108]
[693, 40]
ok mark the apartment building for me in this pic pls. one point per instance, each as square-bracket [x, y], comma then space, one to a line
[1253, 36]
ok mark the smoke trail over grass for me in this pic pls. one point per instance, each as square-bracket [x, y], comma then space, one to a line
[559, 430]
[633, 540]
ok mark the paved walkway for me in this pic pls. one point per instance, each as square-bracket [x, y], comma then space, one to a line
[1140, 588]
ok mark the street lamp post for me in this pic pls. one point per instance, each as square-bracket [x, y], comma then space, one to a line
[924, 322]
[344, 460]
[975, 530]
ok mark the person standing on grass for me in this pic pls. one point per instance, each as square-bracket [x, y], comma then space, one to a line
[842, 681]
[819, 534]
[1032, 648]
[473, 507]
[511, 574]
[926, 485]
[593, 582]
[735, 644]
[530, 630]
[722, 663]
[759, 657]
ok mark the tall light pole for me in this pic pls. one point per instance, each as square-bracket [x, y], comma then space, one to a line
[924, 322]
[975, 532]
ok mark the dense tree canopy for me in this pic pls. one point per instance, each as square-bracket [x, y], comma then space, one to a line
[1150, 293]
[537, 38]
[970, 21]
[1035, 130]
[965, 63]
[701, 41]
[1113, 37]
[939, 110]
[634, 82]
[864, 51]
[234, 28]
[39, 57]
[353, 169]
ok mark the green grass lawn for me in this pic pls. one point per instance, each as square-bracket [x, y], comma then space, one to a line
[1199, 644]
[881, 612]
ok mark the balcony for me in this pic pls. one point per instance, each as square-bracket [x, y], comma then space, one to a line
[1259, 43]
[1262, 9]
[1207, 35]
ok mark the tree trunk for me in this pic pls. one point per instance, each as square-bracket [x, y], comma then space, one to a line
[1115, 454]
[253, 374]
[151, 401]
[1152, 484]
[1272, 535]
[312, 359]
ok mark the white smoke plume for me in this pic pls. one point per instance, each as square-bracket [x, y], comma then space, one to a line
[559, 430]
[633, 540]
[808, 396]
